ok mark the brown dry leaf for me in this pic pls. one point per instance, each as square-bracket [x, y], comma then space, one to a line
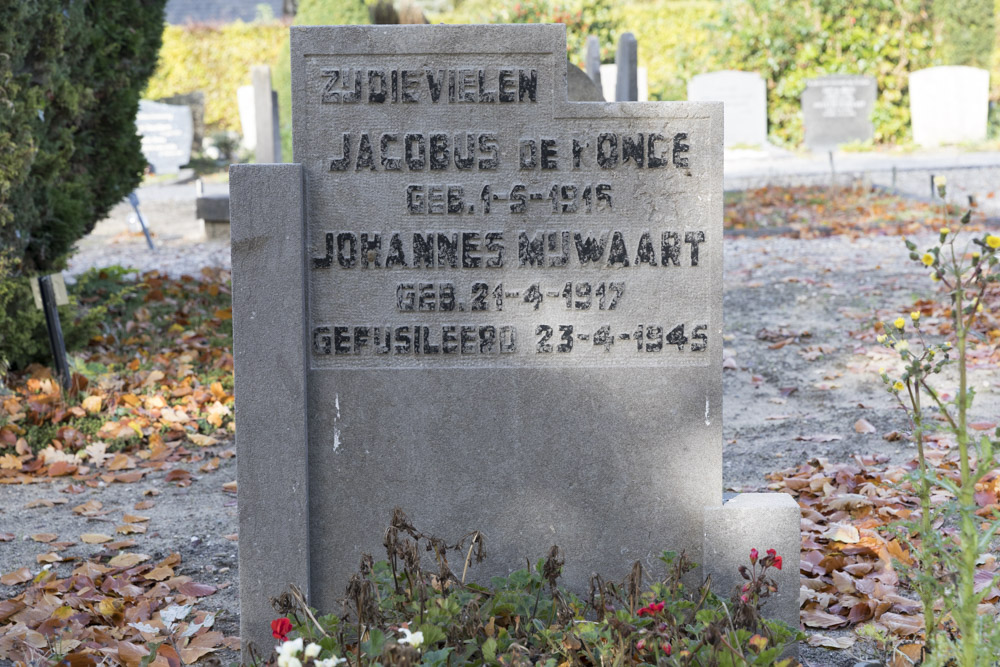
[121, 462]
[160, 573]
[902, 625]
[194, 589]
[232, 537]
[130, 477]
[144, 505]
[128, 560]
[178, 475]
[45, 502]
[50, 557]
[153, 377]
[92, 404]
[61, 469]
[95, 538]
[863, 426]
[6, 537]
[842, 532]
[202, 440]
[227, 453]
[130, 528]
[16, 577]
[815, 618]
[10, 462]
[134, 518]
[44, 537]
[819, 437]
[200, 645]
[88, 507]
[822, 641]
[211, 466]
[130, 654]
[229, 487]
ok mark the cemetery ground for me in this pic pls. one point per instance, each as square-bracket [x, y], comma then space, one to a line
[150, 510]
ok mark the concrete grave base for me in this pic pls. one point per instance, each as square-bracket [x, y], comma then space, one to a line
[759, 521]
[213, 212]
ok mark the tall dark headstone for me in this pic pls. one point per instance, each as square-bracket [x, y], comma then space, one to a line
[593, 59]
[627, 62]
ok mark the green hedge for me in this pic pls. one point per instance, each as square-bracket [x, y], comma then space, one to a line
[789, 41]
[217, 61]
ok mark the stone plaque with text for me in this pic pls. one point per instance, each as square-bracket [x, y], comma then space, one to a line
[838, 109]
[510, 312]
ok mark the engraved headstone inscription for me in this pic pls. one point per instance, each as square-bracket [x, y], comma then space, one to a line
[166, 131]
[949, 105]
[476, 300]
[744, 95]
[837, 110]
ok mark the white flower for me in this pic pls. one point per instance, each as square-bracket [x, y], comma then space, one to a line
[412, 638]
[330, 662]
[288, 661]
[312, 650]
[289, 649]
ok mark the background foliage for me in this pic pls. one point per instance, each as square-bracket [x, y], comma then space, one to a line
[217, 60]
[70, 79]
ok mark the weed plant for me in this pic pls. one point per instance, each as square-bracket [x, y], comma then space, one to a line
[396, 612]
[954, 537]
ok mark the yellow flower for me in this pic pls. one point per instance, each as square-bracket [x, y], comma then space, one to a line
[901, 346]
[975, 256]
[881, 338]
[979, 308]
[945, 231]
[935, 277]
[993, 241]
[927, 259]
[900, 323]
[881, 371]
[915, 316]
[898, 386]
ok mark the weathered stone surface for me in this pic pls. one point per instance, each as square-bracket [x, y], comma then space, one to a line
[580, 86]
[759, 521]
[514, 308]
[949, 105]
[269, 346]
[745, 97]
[837, 110]
[166, 131]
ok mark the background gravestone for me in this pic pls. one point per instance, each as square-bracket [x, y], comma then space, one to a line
[744, 95]
[480, 302]
[196, 102]
[166, 131]
[837, 110]
[949, 105]
[609, 82]
[580, 87]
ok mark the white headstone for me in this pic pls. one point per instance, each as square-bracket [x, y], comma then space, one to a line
[248, 116]
[744, 95]
[948, 105]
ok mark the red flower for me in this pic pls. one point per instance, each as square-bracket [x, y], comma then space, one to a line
[640, 645]
[753, 556]
[651, 609]
[772, 553]
[280, 627]
[657, 606]
[777, 562]
[666, 648]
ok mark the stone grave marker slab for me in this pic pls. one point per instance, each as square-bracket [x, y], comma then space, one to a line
[744, 95]
[837, 110]
[476, 300]
[949, 105]
[166, 131]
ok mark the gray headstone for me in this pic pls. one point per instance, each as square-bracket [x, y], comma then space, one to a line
[627, 62]
[744, 95]
[166, 131]
[838, 110]
[593, 59]
[196, 102]
[949, 105]
[266, 122]
[580, 86]
[609, 82]
[480, 302]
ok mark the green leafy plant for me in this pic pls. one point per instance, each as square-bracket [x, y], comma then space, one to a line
[396, 612]
[947, 576]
